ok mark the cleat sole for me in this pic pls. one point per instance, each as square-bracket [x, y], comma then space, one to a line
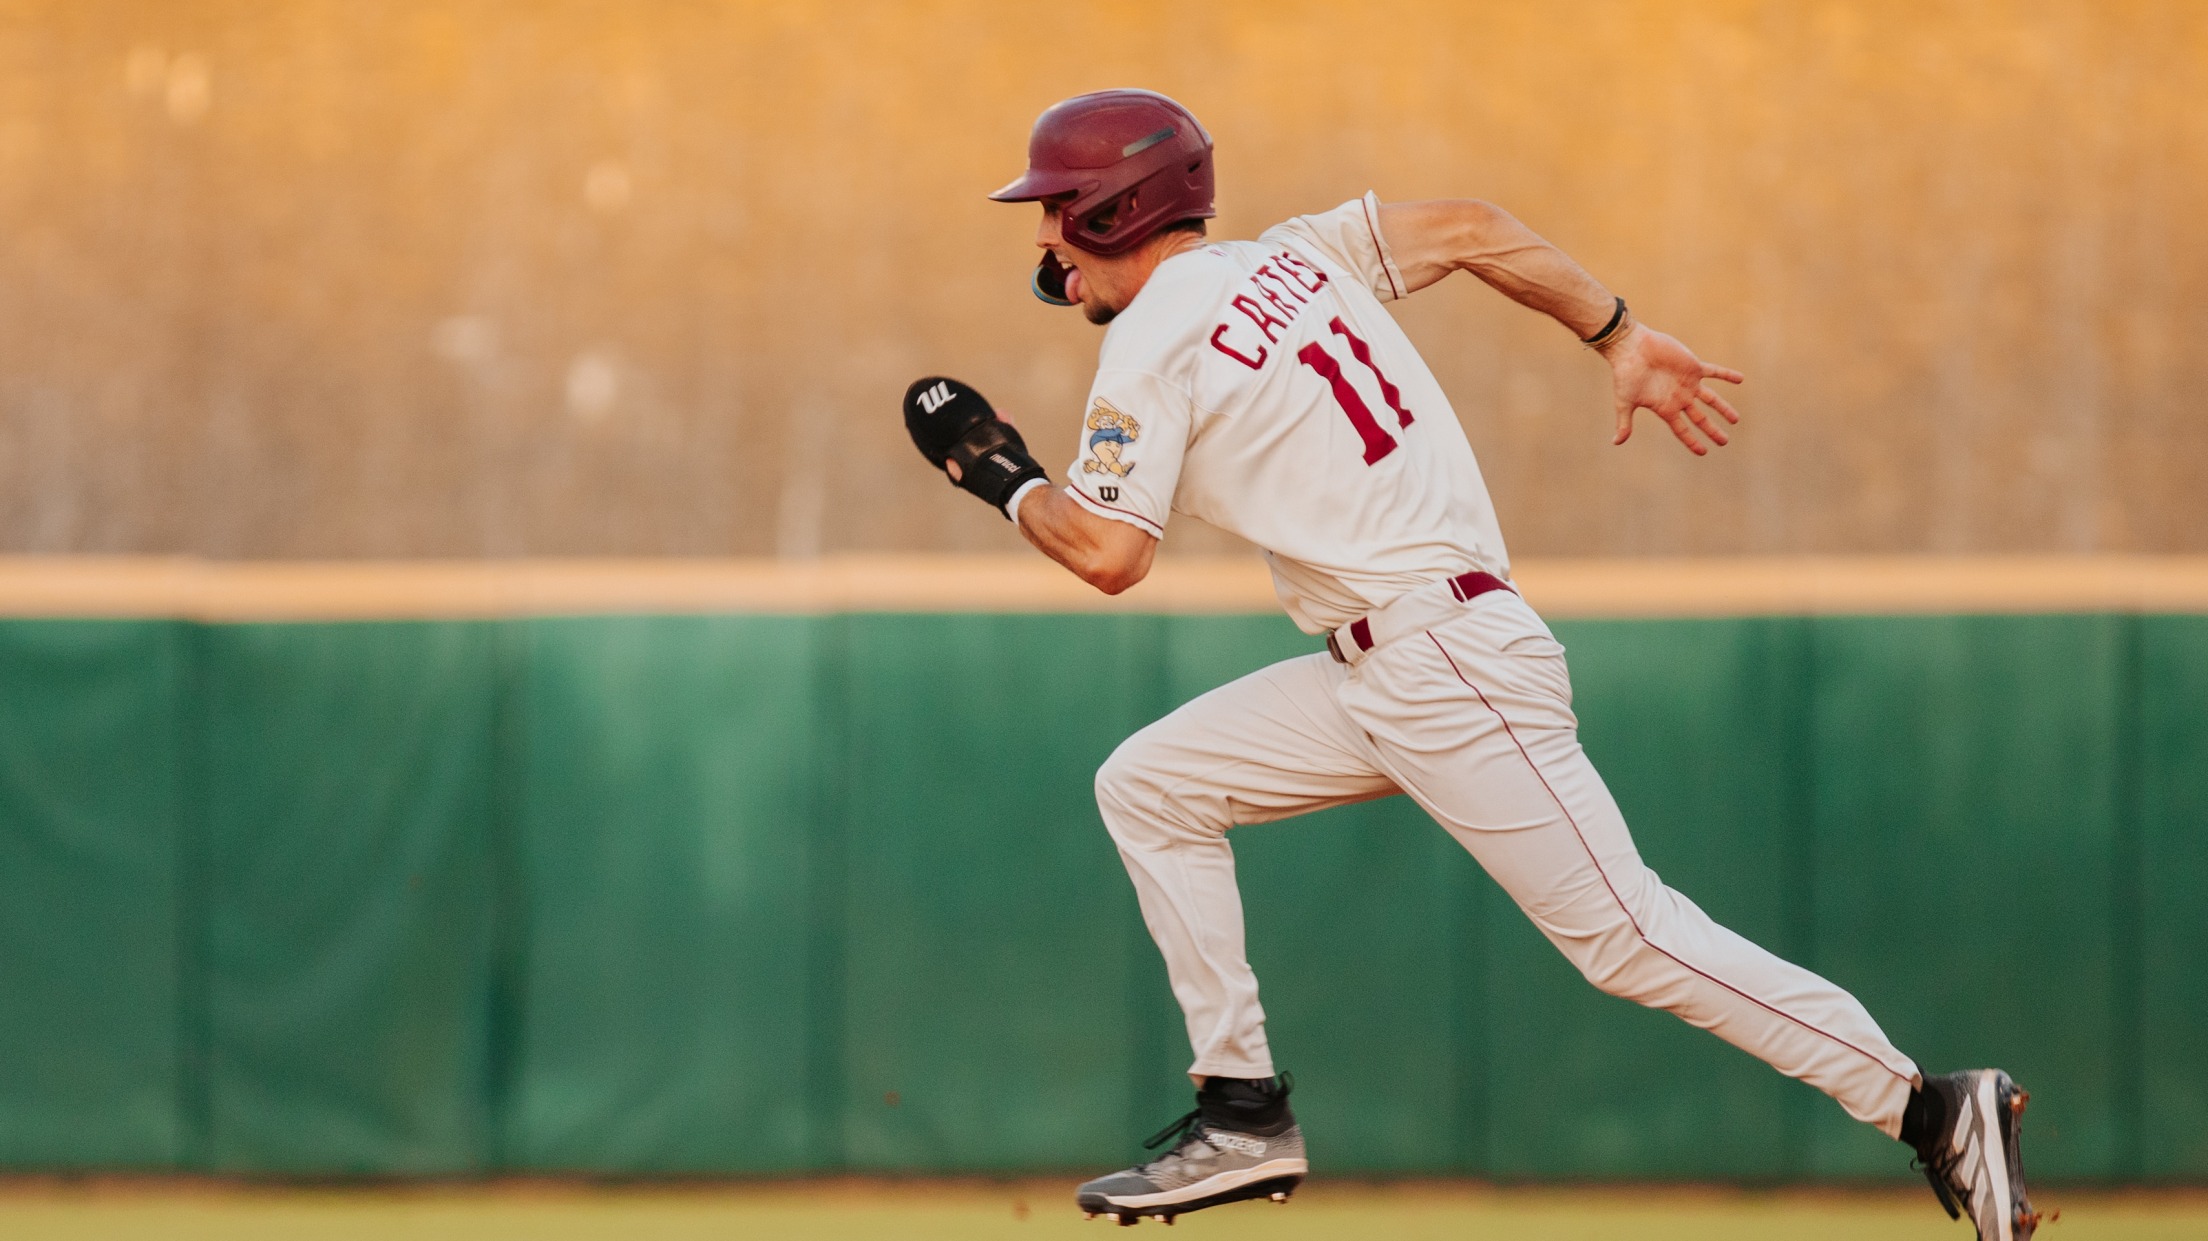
[1277, 1189]
[2023, 1220]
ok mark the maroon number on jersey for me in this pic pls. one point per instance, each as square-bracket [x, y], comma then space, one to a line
[1378, 443]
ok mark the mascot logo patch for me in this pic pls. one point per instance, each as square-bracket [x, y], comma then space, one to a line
[1110, 432]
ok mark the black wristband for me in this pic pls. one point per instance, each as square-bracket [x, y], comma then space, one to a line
[1610, 329]
[993, 463]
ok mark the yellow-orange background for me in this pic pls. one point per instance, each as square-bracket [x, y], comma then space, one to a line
[325, 278]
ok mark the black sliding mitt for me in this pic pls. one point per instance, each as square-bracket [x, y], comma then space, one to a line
[949, 422]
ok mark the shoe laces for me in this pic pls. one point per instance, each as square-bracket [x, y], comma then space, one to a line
[1191, 1126]
[1937, 1174]
[1939, 1161]
[1178, 1133]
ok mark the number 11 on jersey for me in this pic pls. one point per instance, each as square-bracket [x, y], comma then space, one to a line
[1378, 443]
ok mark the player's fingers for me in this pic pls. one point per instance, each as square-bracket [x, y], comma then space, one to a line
[1684, 430]
[1711, 370]
[1701, 420]
[1720, 404]
[1625, 423]
[951, 468]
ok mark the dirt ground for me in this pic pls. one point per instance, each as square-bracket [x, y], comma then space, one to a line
[929, 1211]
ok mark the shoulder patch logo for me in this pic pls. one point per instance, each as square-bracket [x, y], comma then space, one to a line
[1110, 432]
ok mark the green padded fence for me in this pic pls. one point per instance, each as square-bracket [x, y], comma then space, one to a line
[760, 895]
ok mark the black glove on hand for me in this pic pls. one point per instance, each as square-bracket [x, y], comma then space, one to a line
[951, 422]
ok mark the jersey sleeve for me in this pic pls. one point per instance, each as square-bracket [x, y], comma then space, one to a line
[1349, 237]
[1133, 437]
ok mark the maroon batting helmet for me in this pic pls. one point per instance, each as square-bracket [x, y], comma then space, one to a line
[1134, 150]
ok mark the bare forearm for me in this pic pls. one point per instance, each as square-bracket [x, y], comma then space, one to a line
[1648, 370]
[1432, 239]
[1517, 263]
[1109, 555]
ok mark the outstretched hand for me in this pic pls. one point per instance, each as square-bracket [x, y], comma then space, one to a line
[1652, 371]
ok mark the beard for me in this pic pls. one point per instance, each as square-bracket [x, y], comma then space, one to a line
[1098, 313]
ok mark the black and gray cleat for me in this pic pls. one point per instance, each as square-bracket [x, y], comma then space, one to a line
[1241, 1143]
[1973, 1161]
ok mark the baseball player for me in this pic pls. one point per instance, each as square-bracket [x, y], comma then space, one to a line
[1261, 386]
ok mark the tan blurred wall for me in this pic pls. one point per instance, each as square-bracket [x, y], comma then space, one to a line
[397, 278]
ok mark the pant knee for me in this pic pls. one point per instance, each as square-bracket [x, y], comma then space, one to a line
[1628, 968]
[1122, 786]
[1617, 959]
[1142, 801]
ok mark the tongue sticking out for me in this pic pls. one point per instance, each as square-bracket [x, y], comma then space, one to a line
[1073, 285]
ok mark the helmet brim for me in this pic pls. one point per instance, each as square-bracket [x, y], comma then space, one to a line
[1036, 184]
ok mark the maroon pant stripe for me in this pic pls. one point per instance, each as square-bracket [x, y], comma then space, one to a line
[1612, 888]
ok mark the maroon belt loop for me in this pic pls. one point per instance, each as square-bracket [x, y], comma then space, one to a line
[1469, 586]
[1359, 631]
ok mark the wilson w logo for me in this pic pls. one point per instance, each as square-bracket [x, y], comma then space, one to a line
[936, 397]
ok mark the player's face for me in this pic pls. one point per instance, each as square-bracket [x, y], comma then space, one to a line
[1092, 282]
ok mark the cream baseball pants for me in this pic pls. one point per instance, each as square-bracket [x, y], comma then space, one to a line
[1466, 707]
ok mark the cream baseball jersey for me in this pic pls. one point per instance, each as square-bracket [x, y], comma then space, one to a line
[1261, 387]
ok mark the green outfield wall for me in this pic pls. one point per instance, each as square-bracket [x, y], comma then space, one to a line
[764, 895]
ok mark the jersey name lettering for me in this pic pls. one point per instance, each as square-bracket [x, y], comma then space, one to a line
[1284, 284]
